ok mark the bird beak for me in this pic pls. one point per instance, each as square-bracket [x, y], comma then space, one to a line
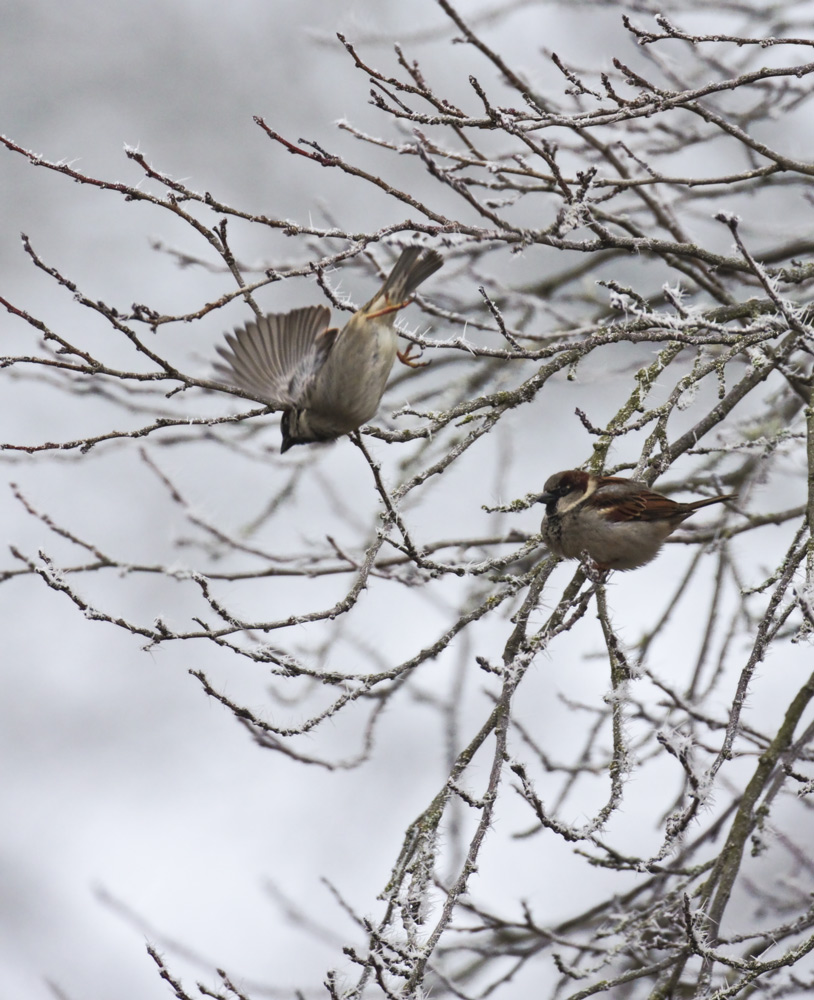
[544, 498]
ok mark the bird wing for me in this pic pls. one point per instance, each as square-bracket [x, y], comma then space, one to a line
[646, 506]
[624, 505]
[277, 357]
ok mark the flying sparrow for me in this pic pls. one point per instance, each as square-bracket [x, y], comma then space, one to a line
[619, 523]
[327, 381]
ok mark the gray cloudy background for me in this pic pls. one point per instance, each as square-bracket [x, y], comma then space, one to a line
[131, 807]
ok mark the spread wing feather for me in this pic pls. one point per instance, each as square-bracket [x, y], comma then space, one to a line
[276, 357]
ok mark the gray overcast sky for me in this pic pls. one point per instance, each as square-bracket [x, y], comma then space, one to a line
[118, 776]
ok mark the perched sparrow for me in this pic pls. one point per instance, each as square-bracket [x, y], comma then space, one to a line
[620, 523]
[327, 381]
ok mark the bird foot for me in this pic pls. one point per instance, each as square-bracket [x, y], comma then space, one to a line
[411, 360]
[594, 571]
[388, 309]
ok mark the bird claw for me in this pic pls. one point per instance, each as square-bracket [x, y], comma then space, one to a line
[594, 571]
[411, 360]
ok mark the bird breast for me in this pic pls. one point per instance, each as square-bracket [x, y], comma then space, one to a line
[615, 544]
[350, 384]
